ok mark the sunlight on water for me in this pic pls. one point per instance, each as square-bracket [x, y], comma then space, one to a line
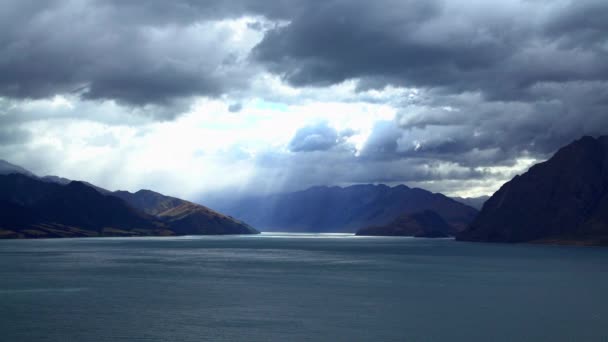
[306, 235]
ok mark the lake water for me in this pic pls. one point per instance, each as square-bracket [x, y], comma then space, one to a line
[286, 287]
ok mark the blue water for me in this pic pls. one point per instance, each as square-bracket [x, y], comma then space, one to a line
[283, 287]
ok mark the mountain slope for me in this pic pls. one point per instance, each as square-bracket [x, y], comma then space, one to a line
[564, 199]
[149, 201]
[189, 218]
[50, 206]
[182, 216]
[30, 207]
[426, 223]
[337, 209]
[7, 168]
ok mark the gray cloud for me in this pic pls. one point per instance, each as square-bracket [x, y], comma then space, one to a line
[277, 171]
[146, 53]
[317, 137]
[135, 53]
[449, 45]
[495, 82]
[580, 24]
[467, 130]
[235, 107]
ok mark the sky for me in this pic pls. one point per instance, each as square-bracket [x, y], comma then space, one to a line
[201, 99]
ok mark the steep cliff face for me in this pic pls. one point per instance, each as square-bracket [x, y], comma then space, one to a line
[562, 199]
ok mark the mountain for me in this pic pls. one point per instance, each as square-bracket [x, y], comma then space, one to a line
[50, 206]
[562, 200]
[337, 209]
[7, 168]
[64, 181]
[426, 223]
[184, 218]
[30, 208]
[475, 202]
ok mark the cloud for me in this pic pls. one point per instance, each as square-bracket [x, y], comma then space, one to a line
[152, 53]
[235, 107]
[255, 95]
[13, 136]
[317, 137]
[500, 50]
[579, 23]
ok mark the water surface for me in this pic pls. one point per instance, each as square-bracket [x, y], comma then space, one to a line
[299, 287]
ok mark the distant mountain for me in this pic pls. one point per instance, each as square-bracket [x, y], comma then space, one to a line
[562, 200]
[426, 223]
[475, 202]
[35, 207]
[184, 218]
[337, 209]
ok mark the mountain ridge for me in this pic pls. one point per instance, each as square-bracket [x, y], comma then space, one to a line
[50, 206]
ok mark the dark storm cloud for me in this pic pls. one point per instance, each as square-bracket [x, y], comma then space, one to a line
[161, 12]
[137, 53]
[581, 23]
[339, 40]
[495, 81]
[453, 46]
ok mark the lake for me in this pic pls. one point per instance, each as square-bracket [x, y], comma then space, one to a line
[299, 287]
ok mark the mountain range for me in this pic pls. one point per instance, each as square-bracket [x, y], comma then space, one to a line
[561, 200]
[35, 207]
[344, 209]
